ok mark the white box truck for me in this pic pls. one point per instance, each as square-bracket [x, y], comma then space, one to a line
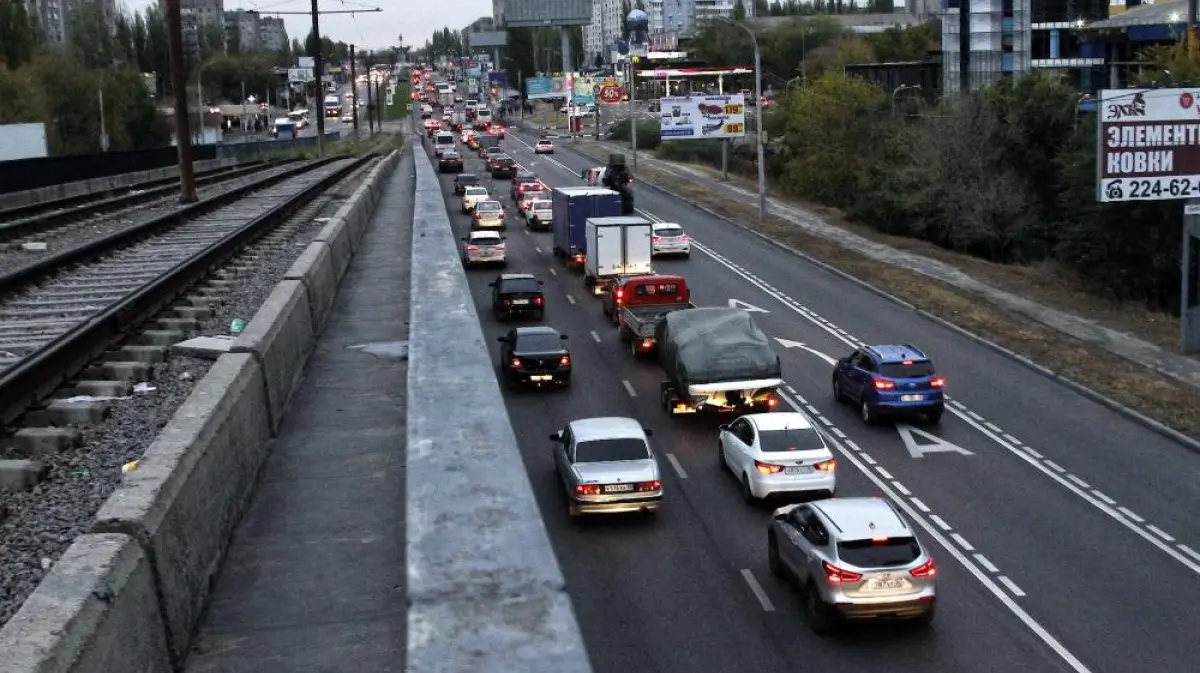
[616, 247]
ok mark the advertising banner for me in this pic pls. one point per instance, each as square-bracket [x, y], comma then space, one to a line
[498, 78]
[584, 89]
[300, 75]
[475, 72]
[1148, 147]
[703, 117]
[540, 88]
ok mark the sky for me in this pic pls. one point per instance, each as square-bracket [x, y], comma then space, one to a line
[416, 20]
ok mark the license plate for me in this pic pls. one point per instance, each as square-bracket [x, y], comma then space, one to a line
[911, 398]
[520, 302]
[542, 377]
[797, 470]
[887, 583]
[618, 488]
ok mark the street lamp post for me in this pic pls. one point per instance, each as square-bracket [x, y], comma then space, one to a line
[633, 110]
[762, 169]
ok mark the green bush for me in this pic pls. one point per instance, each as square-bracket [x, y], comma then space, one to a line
[707, 152]
[648, 133]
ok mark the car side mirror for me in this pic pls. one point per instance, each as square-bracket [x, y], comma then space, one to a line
[502, 339]
[562, 336]
[724, 427]
[541, 282]
[491, 285]
[556, 436]
[779, 516]
[648, 431]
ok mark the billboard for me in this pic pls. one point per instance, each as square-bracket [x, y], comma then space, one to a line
[703, 117]
[480, 40]
[586, 88]
[1147, 144]
[545, 87]
[498, 78]
[300, 75]
[475, 72]
[533, 13]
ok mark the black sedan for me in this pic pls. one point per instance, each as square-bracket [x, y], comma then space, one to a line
[504, 167]
[535, 355]
[464, 180]
[517, 295]
[450, 162]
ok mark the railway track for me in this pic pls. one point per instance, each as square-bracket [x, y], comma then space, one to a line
[50, 222]
[97, 201]
[61, 313]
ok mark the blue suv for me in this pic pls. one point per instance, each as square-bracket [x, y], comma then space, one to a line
[890, 380]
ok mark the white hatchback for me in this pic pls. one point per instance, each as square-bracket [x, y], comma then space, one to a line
[472, 196]
[777, 453]
[483, 247]
[670, 239]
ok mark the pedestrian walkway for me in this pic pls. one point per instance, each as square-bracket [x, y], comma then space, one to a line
[314, 579]
[1180, 367]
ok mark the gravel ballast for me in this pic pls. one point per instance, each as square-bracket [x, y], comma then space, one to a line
[37, 525]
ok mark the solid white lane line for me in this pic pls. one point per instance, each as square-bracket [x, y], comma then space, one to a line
[986, 563]
[570, 299]
[629, 388]
[941, 523]
[962, 542]
[920, 504]
[1016, 590]
[757, 590]
[595, 337]
[675, 464]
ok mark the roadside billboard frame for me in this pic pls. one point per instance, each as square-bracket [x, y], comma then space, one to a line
[489, 38]
[545, 13]
[691, 113]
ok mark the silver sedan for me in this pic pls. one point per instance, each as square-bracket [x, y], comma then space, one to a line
[606, 465]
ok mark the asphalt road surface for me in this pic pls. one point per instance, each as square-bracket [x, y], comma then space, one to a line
[1064, 533]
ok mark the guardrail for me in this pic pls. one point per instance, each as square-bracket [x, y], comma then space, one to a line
[485, 592]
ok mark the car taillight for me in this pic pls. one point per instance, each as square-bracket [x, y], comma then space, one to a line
[629, 180]
[772, 402]
[619, 294]
[647, 343]
[649, 485]
[836, 575]
[537, 301]
[767, 468]
[516, 363]
[938, 382]
[565, 360]
[656, 238]
[587, 489]
[472, 248]
[477, 215]
[826, 466]
[881, 384]
[499, 246]
[926, 569]
[682, 237]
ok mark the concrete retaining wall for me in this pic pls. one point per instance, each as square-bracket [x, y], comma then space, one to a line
[129, 597]
[18, 199]
[485, 592]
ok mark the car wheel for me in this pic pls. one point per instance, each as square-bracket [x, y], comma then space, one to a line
[869, 415]
[633, 349]
[926, 618]
[773, 556]
[838, 395]
[747, 493]
[819, 618]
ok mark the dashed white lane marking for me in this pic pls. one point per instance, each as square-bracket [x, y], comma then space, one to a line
[1078, 482]
[537, 249]
[991, 426]
[1104, 498]
[867, 458]
[986, 563]
[1131, 514]
[1161, 533]
[974, 415]
[900, 487]
[1189, 551]
[962, 542]
[884, 473]
[553, 271]
[570, 299]
[675, 464]
[629, 388]
[595, 336]
[1055, 466]
[920, 504]
[1016, 590]
[757, 590]
[941, 523]
[839, 433]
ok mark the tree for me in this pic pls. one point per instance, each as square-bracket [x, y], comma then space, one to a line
[91, 42]
[739, 11]
[18, 39]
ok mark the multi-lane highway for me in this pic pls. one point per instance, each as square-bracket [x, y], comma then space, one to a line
[1065, 534]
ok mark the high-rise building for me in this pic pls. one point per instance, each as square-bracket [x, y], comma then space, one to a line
[272, 34]
[999, 41]
[242, 31]
[666, 16]
[54, 16]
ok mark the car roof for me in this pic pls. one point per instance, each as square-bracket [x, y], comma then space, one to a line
[779, 420]
[606, 427]
[465, 176]
[667, 225]
[484, 234]
[477, 188]
[529, 330]
[517, 276]
[896, 352]
[862, 518]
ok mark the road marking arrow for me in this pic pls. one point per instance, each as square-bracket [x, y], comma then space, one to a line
[935, 444]
[788, 343]
[738, 303]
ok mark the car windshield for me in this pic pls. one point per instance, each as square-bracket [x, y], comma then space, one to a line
[534, 195]
[896, 551]
[907, 370]
[538, 343]
[488, 205]
[795, 439]
[485, 238]
[449, 155]
[668, 231]
[476, 191]
[466, 178]
[495, 150]
[605, 450]
[520, 285]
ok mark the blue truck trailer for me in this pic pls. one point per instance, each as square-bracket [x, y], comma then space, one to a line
[572, 206]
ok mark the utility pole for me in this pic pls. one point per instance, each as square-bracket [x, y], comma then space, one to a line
[183, 134]
[379, 105]
[318, 70]
[370, 110]
[354, 91]
[964, 47]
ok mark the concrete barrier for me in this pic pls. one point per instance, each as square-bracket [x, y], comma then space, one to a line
[187, 494]
[485, 592]
[25, 198]
[168, 525]
[314, 268]
[95, 612]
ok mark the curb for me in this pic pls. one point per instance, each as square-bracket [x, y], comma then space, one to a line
[1132, 414]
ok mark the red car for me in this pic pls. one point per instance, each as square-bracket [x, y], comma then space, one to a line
[711, 109]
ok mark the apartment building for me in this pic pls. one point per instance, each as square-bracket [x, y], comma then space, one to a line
[677, 17]
[54, 16]
[272, 35]
[1000, 41]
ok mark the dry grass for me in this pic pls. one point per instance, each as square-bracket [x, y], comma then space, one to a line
[1171, 402]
